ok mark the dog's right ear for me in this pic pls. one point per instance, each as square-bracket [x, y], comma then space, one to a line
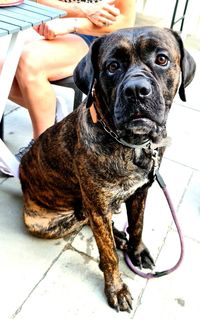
[87, 68]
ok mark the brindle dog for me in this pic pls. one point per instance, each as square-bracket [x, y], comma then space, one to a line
[83, 168]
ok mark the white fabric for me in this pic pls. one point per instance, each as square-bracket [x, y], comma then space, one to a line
[64, 101]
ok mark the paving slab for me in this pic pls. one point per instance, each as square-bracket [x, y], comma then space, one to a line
[175, 296]
[183, 128]
[24, 258]
[189, 211]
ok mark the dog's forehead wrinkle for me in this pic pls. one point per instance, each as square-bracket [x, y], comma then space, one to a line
[153, 44]
[122, 50]
[154, 37]
[124, 43]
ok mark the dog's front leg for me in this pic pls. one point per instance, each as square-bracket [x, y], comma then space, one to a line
[137, 251]
[116, 291]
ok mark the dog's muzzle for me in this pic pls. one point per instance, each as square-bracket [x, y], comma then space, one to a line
[139, 105]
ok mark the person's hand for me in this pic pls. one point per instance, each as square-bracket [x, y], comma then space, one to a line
[103, 13]
[55, 27]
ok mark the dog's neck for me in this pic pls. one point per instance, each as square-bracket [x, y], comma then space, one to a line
[147, 144]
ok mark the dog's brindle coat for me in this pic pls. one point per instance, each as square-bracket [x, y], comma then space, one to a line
[76, 173]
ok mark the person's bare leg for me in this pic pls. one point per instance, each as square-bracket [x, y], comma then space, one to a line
[28, 36]
[40, 62]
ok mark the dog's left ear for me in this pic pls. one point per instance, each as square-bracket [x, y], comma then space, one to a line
[85, 71]
[188, 66]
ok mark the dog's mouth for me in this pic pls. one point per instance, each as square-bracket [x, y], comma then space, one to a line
[140, 128]
[141, 125]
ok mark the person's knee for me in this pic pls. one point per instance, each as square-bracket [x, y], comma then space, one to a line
[29, 66]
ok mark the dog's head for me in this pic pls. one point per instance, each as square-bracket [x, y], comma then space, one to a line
[135, 74]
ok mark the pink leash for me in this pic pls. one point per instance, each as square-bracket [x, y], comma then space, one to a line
[162, 184]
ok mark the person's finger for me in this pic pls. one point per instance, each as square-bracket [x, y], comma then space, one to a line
[107, 15]
[107, 22]
[48, 33]
[41, 28]
[36, 28]
[111, 10]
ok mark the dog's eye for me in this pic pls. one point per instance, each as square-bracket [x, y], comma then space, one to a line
[162, 60]
[112, 67]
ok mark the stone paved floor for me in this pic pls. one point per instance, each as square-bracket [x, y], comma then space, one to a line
[61, 279]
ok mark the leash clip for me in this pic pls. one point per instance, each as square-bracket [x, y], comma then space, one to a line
[155, 162]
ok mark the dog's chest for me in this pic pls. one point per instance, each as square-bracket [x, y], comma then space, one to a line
[118, 192]
[121, 177]
[124, 187]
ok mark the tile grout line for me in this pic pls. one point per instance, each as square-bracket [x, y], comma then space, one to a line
[185, 189]
[181, 164]
[185, 106]
[179, 103]
[42, 278]
[179, 204]
[139, 300]
[186, 236]
[8, 112]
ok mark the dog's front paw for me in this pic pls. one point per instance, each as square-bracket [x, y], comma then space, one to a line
[120, 300]
[141, 257]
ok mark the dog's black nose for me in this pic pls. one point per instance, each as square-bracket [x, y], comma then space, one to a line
[139, 88]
